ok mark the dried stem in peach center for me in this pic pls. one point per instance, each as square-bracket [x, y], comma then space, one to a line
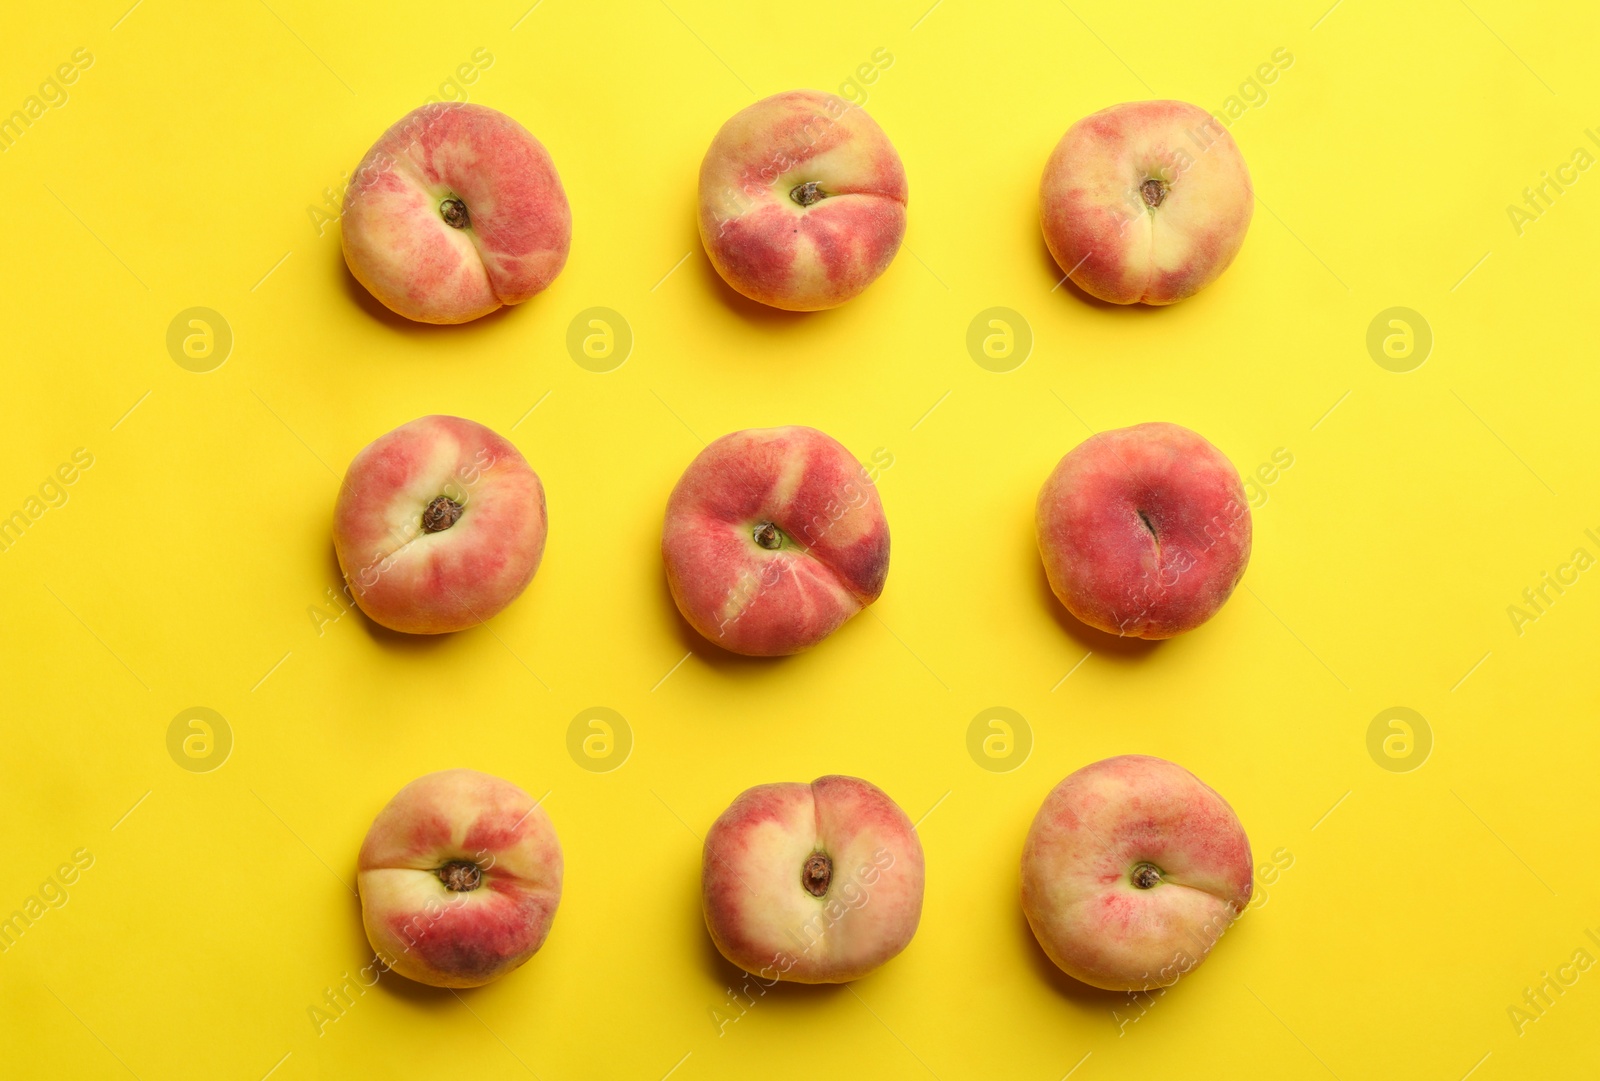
[460, 876]
[1153, 190]
[1145, 876]
[817, 874]
[440, 514]
[454, 213]
[768, 536]
[807, 193]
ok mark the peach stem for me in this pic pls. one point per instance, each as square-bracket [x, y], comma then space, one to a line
[816, 874]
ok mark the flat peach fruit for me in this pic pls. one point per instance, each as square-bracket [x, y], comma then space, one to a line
[773, 538]
[456, 211]
[812, 883]
[1146, 202]
[1132, 870]
[438, 525]
[1144, 531]
[802, 201]
[459, 878]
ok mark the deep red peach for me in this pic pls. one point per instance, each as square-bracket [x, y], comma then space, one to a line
[773, 538]
[1144, 531]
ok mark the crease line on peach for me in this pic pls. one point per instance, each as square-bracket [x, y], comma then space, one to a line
[86, 1027]
[1075, 667]
[1296, 637]
[493, 1033]
[1502, 841]
[1503, 443]
[891, 1031]
[309, 49]
[671, 670]
[271, 670]
[1471, 670]
[96, 235]
[674, 269]
[908, 649]
[1512, 51]
[1290, 1031]
[710, 50]
[302, 841]
[132, 809]
[294, 433]
[97, 638]
[132, 407]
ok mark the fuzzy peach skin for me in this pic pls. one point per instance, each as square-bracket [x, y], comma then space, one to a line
[1132, 870]
[812, 883]
[774, 537]
[454, 212]
[1144, 531]
[1146, 202]
[802, 201]
[412, 567]
[459, 877]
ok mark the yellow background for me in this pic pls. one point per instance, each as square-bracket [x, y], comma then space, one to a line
[187, 564]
